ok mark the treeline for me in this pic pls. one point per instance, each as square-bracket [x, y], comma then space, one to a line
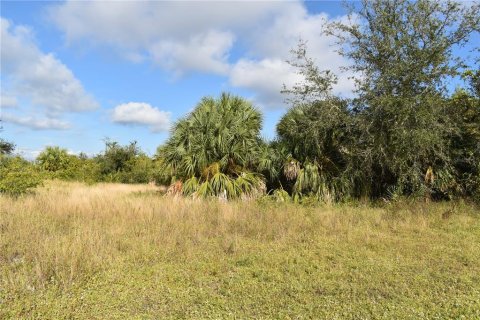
[407, 132]
[117, 163]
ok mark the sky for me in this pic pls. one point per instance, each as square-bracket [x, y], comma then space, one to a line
[75, 73]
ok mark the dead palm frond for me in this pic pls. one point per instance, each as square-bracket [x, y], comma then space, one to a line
[291, 169]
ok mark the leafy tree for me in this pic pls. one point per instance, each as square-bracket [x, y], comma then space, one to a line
[140, 169]
[6, 147]
[117, 158]
[54, 159]
[473, 77]
[271, 158]
[316, 84]
[80, 168]
[464, 113]
[315, 134]
[215, 150]
[163, 174]
[402, 53]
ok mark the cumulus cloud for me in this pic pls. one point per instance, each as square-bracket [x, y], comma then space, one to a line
[39, 77]
[265, 77]
[37, 123]
[206, 52]
[267, 73]
[247, 42]
[143, 114]
[177, 35]
[138, 24]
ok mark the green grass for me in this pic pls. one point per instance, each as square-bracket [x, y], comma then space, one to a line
[118, 252]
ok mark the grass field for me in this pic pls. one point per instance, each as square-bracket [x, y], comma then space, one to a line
[112, 251]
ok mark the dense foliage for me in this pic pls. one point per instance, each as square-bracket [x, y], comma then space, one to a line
[6, 147]
[403, 134]
[403, 56]
[406, 133]
[317, 136]
[215, 150]
[17, 176]
[126, 164]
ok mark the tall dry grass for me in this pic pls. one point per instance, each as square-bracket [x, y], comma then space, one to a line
[68, 233]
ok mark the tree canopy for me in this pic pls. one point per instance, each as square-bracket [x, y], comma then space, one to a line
[401, 126]
[215, 149]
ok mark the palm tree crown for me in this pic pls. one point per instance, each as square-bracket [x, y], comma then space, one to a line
[216, 148]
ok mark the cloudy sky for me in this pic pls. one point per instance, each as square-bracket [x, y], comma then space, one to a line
[74, 73]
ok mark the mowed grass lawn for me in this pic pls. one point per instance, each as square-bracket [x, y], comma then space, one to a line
[113, 251]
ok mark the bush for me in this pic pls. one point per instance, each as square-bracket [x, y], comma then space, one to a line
[53, 159]
[17, 176]
[80, 169]
[139, 169]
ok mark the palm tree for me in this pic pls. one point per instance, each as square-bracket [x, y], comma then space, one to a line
[215, 150]
[317, 138]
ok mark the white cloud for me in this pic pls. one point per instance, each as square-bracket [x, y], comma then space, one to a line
[138, 24]
[267, 74]
[206, 52]
[248, 42]
[139, 113]
[177, 35]
[8, 101]
[36, 123]
[266, 77]
[41, 78]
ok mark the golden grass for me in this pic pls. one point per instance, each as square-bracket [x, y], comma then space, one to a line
[124, 251]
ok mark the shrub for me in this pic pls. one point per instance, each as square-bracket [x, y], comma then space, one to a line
[53, 159]
[17, 176]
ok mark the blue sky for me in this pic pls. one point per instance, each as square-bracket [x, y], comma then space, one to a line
[74, 73]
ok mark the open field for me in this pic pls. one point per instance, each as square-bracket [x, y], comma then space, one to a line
[113, 251]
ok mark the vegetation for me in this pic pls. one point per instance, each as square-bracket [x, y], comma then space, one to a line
[126, 164]
[406, 133]
[402, 52]
[215, 150]
[6, 147]
[112, 251]
[403, 134]
[17, 176]
[364, 207]
[53, 159]
[316, 136]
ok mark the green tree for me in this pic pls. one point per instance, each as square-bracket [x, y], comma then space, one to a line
[54, 159]
[80, 168]
[473, 78]
[317, 136]
[402, 54]
[316, 84]
[215, 150]
[140, 169]
[6, 147]
[117, 159]
[464, 113]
